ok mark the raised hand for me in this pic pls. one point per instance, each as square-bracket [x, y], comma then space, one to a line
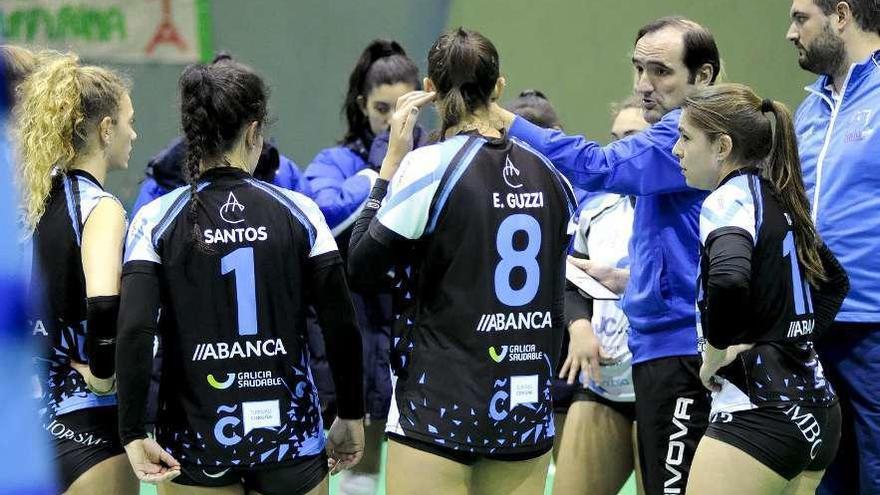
[400, 134]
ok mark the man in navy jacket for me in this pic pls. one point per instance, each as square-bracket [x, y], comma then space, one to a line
[839, 144]
[672, 55]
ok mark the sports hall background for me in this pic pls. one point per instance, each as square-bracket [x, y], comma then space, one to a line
[575, 51]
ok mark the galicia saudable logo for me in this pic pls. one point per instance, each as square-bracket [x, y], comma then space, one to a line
[230, 377]
[498, 357]
[516, 352]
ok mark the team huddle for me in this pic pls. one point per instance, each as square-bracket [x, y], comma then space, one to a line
[694, 303]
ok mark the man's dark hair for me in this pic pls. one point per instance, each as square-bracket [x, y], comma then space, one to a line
[699, 44]
[866, 12]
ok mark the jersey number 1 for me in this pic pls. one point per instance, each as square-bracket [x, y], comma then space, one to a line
[803, 303]
[241, 263]
[511, 258]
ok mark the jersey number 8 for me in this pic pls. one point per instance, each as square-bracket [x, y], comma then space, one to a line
[511, 258]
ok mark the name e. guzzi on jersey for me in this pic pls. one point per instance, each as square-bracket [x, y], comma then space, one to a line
[518, 200]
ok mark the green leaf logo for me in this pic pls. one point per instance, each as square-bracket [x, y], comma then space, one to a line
[496, 356]
[230, 377]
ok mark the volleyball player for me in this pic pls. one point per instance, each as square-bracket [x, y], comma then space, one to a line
[488, 219]
[598, 450]
[340, 178]
[75, 124]
[767, 285]
[229, 265]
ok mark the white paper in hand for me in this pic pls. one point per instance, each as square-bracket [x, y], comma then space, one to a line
[588, 284]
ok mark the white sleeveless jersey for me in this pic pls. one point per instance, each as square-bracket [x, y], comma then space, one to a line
[604, 230]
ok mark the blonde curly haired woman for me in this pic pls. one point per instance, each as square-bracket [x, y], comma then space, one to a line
[74, 124]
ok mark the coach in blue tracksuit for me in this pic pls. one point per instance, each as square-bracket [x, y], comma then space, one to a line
[838, 128]
[672, 55]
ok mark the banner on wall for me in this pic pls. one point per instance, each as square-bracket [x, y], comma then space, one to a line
[123, 31]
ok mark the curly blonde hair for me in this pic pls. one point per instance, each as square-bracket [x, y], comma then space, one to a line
[61, 104]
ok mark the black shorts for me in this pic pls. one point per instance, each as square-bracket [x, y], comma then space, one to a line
[289, 478]
[787, 439]
[563, 394]
[466, 458]
[672, 413]
[82, 439]
[625, 409]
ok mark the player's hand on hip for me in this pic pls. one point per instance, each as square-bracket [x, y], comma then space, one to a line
[400, 135]
[98, 386]
[733, 351]
[707, 376]
[585, 353]
[150, 462]
[345, 444]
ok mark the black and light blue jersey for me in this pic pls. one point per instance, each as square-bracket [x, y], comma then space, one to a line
[58, 291]
[236, 385]
[783, 366]
[487, 225]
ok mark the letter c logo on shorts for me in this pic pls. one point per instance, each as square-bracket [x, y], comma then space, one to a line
[495, 412]
[220, 427]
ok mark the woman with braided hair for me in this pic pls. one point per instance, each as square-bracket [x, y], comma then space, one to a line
[229, 265]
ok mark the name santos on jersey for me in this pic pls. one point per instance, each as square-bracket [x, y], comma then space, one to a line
[249, 234]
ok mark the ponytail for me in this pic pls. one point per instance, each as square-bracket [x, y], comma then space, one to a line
[763, 136]
[463, 65]
[452, 108]
[783, 171]
[381, 62]
[61, 105]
